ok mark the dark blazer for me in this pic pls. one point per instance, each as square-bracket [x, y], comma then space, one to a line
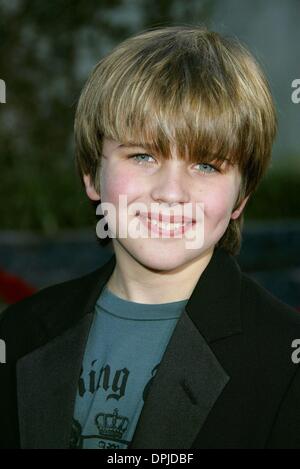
[226, 379]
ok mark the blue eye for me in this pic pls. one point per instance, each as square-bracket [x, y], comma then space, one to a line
[141, 158]
[207, 168]
[141, 155]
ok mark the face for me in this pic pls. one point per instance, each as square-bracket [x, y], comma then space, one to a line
[165, 185]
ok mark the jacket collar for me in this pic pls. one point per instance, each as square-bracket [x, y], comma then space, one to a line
[186, 386]
[214, 305]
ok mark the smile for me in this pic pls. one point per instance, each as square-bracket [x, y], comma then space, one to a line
[165, 228]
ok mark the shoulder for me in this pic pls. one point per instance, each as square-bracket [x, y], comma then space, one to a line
[265, 306]
[272, 327]
[33, 321]
[36, 305]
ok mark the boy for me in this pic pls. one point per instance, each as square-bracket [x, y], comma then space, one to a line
[168, 345]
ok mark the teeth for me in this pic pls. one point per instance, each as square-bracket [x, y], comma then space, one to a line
[167, 226]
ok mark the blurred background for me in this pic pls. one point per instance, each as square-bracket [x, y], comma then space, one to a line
[47, 49]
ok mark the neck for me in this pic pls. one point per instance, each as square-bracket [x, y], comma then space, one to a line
[138, 283]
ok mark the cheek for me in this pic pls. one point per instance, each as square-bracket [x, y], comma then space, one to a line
[219, 202]
[116, 183]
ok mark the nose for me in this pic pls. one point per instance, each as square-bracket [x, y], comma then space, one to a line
[171, 186]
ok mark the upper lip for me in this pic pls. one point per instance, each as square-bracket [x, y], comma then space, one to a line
[160, 217]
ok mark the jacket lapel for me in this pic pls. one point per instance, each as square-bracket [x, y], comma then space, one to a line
[187, 384]
[189, 380]
[47, 384]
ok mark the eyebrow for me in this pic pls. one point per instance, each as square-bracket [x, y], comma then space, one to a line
[132, 145]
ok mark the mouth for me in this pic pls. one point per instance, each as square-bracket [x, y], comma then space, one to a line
[158, 224]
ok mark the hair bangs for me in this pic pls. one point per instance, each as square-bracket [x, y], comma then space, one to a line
[159, 114]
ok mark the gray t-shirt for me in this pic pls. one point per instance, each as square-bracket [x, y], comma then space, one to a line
[125, 346]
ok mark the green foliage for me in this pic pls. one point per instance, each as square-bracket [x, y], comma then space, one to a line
[277, 197]
[44, 199]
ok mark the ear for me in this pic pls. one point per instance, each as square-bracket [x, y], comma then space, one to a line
[89, 188]
[240, 208]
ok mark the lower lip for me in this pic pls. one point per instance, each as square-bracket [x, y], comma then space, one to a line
[163, 232]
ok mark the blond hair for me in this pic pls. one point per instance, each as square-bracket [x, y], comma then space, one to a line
[184, 86]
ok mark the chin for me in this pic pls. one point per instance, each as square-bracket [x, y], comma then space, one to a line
[160, 261]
